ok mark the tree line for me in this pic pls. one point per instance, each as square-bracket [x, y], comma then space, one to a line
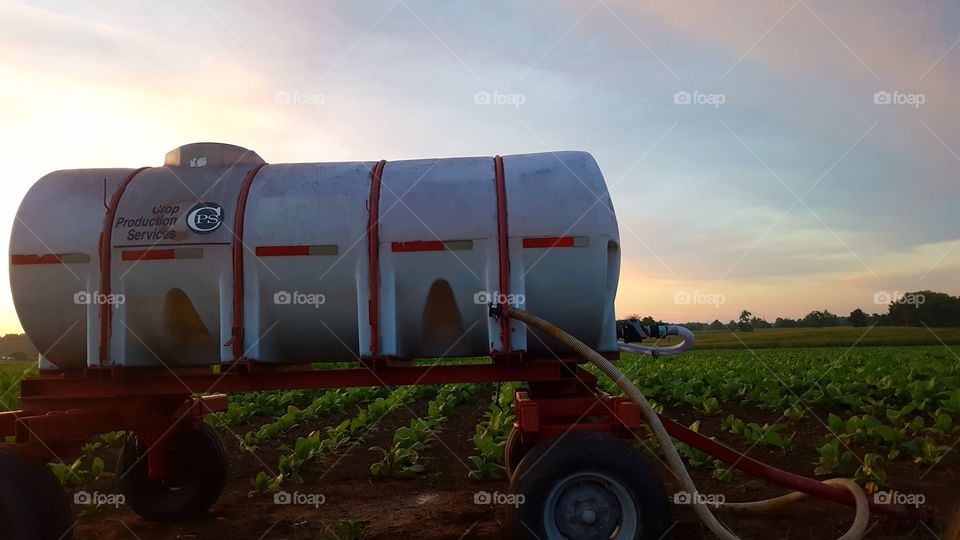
[920, 308]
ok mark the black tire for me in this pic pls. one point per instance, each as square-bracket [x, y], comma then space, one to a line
[33, 505]
[514, 451]
[598, 486]
[198, 473]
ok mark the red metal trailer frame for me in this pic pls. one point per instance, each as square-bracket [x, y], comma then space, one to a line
[62, 410]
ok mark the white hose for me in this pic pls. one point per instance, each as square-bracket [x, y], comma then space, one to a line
[673, 350]
[856, 530]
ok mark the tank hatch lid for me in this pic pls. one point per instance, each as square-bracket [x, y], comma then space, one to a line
[210, 154]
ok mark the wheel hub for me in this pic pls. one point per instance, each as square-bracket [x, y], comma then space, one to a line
[588, 508]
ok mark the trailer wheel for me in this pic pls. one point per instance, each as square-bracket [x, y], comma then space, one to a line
[33, 505]
[198, 473]
[514, 451]
[587, 485]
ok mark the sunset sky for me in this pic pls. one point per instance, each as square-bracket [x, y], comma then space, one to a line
[783, 187]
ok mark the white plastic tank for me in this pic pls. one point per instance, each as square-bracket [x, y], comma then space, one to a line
[168, 275]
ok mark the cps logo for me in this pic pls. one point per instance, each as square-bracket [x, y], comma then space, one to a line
[205, 217]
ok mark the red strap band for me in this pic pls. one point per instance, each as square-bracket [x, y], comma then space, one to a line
[236, 337]
[504, 248]
[106, 241]
[373, 251]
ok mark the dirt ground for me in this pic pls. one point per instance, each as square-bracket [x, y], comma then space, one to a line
[440, 504]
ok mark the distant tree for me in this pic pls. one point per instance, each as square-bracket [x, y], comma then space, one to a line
[743, 324]
[934, 309]
[732, 325]
[858, 318]
[784, 323]
[759, 322]
[716, 325]
[819, 319]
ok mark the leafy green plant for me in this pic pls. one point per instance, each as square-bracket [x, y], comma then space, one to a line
[833, 460]
[315, 447]
[404, 456]
[491, 434]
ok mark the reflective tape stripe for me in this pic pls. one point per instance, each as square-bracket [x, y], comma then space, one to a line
[50, 258]
[556, 242]
[161, 254]
[296, 251]
[432, 245]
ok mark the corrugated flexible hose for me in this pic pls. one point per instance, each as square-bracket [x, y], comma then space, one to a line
[856, 530]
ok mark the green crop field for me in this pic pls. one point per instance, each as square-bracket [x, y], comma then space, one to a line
[895, 404]
[839, 336]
